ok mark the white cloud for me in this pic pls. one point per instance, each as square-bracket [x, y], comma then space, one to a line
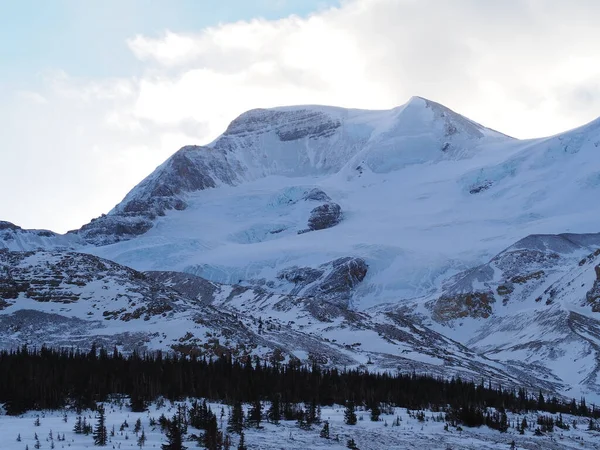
[524, 67]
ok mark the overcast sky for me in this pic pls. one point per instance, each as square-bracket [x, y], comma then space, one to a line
[95, 94]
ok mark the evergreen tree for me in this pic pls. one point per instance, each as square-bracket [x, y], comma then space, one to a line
[375, 412]
[325, 431]
[236, 418]
[274, 412]
[255, 414]
[174, 435]
[314, 413]
[350, 414]
[212, 437]
[138, 426]
[141, 439]
[100, 433]
[352, 445]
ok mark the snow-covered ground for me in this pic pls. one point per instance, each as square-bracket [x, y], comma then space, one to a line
[382, 435]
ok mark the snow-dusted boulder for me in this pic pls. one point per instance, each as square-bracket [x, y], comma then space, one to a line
[325, 216]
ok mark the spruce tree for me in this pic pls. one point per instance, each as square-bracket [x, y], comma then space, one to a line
[255, 414]
[211, 439]
[174, 435]
[375, 412]
[350, 414]
[138, 426]
[352, 445]
[274, 412]
[141, 439]
[314, 412]
[236, 418]
[100, 433]
[325, 431]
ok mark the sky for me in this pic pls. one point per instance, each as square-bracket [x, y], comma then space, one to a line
[94, 95]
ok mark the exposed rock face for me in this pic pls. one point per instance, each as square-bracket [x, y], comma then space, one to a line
[108, 229]
[316, 195]
[190, 285]
[325, 216]
[338, 285]
[86, 299]
[13, 237]
[8, 226]
[192, 168]
[301, 275]
[514, 275]
[593, 295]
[475, 304]
[334, 281]
[291, 125]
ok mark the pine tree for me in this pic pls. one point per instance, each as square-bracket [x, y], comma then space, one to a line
[350, 414]
[174, 435]
[100, 433]
[274, 412]
[375, 412]
[211, 439]
[314, 413]
[255, 414]
[138, 426]
[141, 439]
[78, 428]
[236, 419]
[352, 445]
[325, 431]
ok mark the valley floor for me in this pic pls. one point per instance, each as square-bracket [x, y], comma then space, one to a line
[410, 434]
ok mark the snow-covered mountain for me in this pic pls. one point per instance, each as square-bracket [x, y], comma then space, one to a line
[414, 218]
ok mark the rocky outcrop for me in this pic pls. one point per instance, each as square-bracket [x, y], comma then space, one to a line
[301, 275]
[290, 125]
[189, 285]
[333, 282]
[13, 237]
[325, 216]
[8, 226]
[191, 169]
[316, 195]
[108, 229]
[471, 304]
[593, 295]
[337, 286]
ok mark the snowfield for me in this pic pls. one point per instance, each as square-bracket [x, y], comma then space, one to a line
[382, 435]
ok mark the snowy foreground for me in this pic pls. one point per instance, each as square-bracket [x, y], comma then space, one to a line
[409, 434]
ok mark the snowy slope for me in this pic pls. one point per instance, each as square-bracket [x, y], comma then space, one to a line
[74, 299]
[536, 302]
[385, 434]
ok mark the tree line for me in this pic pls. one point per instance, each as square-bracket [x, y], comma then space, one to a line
[35, 379]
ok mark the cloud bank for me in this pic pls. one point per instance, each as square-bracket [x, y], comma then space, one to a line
[74, 147]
